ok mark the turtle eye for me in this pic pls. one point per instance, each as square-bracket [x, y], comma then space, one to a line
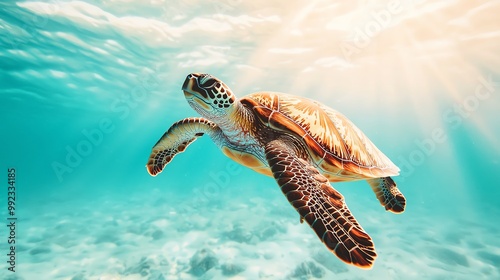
[207, 81]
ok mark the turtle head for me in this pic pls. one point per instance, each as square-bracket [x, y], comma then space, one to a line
[208, 95]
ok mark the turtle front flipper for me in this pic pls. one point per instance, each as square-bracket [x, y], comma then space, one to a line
[321, 206]
[388, 194]
[176, 140]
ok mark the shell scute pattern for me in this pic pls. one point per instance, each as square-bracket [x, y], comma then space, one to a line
[326, 132]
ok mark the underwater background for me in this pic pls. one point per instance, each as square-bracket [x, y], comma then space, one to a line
[88, 87]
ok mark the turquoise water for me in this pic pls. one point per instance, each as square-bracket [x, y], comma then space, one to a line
[87, 88]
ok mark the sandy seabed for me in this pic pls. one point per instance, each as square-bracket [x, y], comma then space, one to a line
[237, 235]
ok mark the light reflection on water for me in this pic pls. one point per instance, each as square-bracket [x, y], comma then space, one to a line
[420, 78]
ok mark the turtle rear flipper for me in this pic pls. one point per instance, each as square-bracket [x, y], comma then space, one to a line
[388, 194]
[176, 140]
[321, 206]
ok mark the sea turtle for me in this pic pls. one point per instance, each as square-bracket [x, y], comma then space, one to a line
[303, 144]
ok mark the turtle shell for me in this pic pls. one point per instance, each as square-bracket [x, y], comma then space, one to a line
[334, 143]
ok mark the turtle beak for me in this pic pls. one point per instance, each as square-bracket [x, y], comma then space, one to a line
[191, 85]
[193, 92]
[189, 80]
[188, 85]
